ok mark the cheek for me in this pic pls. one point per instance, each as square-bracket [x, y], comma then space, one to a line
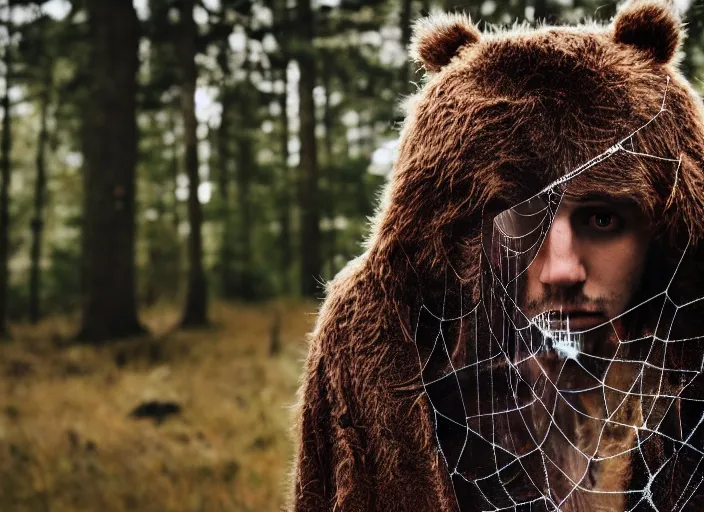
[533, 288]
[617, 268]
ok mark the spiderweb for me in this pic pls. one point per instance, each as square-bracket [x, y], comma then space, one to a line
[533, 415]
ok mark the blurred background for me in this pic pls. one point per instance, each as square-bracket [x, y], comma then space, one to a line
[179, 178]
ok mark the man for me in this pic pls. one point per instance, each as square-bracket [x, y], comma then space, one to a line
[566, 273]
[524, 330]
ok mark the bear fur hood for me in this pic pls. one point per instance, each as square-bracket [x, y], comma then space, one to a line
[500, 116]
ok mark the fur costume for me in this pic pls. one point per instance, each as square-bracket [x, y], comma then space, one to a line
[500, 116]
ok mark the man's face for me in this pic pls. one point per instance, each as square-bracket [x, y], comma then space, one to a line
[590, 264]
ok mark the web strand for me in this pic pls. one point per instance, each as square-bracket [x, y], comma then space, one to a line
[499, 414]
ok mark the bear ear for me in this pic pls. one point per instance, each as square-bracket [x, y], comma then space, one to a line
[651, 26]
[439, 37]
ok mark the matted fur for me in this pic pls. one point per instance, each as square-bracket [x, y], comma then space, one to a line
[648, 26]
[438, 39]
[495, 123]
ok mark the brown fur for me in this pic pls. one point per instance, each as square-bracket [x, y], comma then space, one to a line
[436, 41]
[502, 114]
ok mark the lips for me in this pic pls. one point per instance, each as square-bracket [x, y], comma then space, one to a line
[572, 320]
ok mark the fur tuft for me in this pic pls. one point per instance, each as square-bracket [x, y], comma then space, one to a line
[651, 26]
[438, 38]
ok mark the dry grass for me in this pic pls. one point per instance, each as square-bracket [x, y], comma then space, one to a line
[67, 442]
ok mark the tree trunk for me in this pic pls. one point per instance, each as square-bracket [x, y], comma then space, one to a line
[425, 8]
[39, 192]
[155, 258]
[174, 167]
[110, 156]
[544, 11]
[308, 175]
[280, 63]
[695, 27]
[329, 174]
[285, 182]
[245, 165]
[406, 13]
[195, 311]
[5, 146]
[227, 253]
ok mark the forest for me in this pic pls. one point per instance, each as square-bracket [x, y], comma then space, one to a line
[178, 181]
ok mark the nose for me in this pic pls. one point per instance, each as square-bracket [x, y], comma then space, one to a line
[560, 260]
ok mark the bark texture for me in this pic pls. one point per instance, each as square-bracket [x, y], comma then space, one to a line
[308, 168]
[281, 61]
[225, 160]
[246, 168]
[196, 308]
[5, 173]
[330, 247]
[110, 155]
[39, 199]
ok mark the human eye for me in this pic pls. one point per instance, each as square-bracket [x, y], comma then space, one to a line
[603, 221]
[600, 221]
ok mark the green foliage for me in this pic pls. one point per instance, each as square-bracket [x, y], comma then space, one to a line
[251, 225]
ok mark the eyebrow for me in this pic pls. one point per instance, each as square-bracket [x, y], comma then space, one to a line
[600, 197]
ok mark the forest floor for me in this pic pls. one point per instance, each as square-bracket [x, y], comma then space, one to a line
[68, 441]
